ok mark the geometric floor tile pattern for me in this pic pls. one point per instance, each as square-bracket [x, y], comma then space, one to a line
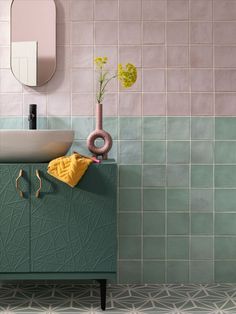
[28, 298]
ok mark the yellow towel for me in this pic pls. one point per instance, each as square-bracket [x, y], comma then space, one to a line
[69, 169]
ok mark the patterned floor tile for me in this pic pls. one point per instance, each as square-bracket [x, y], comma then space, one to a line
[132, 299]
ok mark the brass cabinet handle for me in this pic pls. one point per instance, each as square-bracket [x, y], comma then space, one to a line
[17, 183]
[40, 183]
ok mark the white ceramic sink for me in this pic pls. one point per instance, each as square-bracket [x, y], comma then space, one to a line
[34, 145]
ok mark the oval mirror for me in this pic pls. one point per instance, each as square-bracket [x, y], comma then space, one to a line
[33, 41]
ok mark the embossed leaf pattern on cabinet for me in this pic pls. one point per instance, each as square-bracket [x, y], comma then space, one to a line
[74, 229]
[14, 220]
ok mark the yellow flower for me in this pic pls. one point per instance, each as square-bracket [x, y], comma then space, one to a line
[100, 61]
[127, 75]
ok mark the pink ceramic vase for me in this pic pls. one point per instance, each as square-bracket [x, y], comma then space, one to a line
[99, 133]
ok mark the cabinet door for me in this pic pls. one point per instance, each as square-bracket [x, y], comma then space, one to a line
[14, 219]
[74, 229]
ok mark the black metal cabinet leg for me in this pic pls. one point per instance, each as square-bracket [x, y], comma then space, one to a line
[103, 289]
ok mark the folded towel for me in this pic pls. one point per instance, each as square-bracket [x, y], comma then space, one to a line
[69, 169]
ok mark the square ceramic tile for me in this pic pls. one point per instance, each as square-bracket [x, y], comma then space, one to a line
[177, 271]
[129, 224]
[202, 152]
[11, 105]
[178, 104]
[225, 152]
[82, 10]
[177, 199]
[202, 104]
[225, 80]
[130, 152]
[130, 104]
[130, 33]
[106, 10]
[225, 248]
[130, 247]
[201, 80]
[177, 10]
[130, 128]
[130, 54]
[224, 10]
[201, 200]
[177, 248]
[9, 84]
[201, 56]
[153, 33]
[225, 128]
[154, 104]
[201, 271]
[224, 32]
[201, 32]
[201, 248]
[130, 176]
[153, 199]
[130, 10]
[154, 248]
[225, 176]
[82, 33]
[154, 152]
[225, 200]
[202, 223]
[201, 10]
[177, 56]
[154, 176]
[225, 223]
[130, 200]
[106, 33]
[4, 33]
[82, 104]
[178, 152]
[82, 80]
[154, 9]
[154, 56]
[82, 56]
[4, 10]
[4, 57]
[177, 33]
[153, 224]
[177, 223]
[154, 128]
[153, 271]
[202, 176]
[202, 128]
[178, 128]
[59, 104]
[225, 104]
[130, 271]
[82, 126]
[177, 175]
[153, 80]
[178, 80]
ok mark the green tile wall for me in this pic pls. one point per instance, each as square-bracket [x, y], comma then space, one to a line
[177, 194]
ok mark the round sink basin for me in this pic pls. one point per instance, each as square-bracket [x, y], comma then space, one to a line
[34, 145]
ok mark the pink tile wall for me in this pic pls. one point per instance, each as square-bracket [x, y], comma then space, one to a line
[185, 51]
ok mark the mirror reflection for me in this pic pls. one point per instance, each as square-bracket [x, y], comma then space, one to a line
[33, 41]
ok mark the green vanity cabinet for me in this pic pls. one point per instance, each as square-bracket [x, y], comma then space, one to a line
[14, 221]
[55, 231]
